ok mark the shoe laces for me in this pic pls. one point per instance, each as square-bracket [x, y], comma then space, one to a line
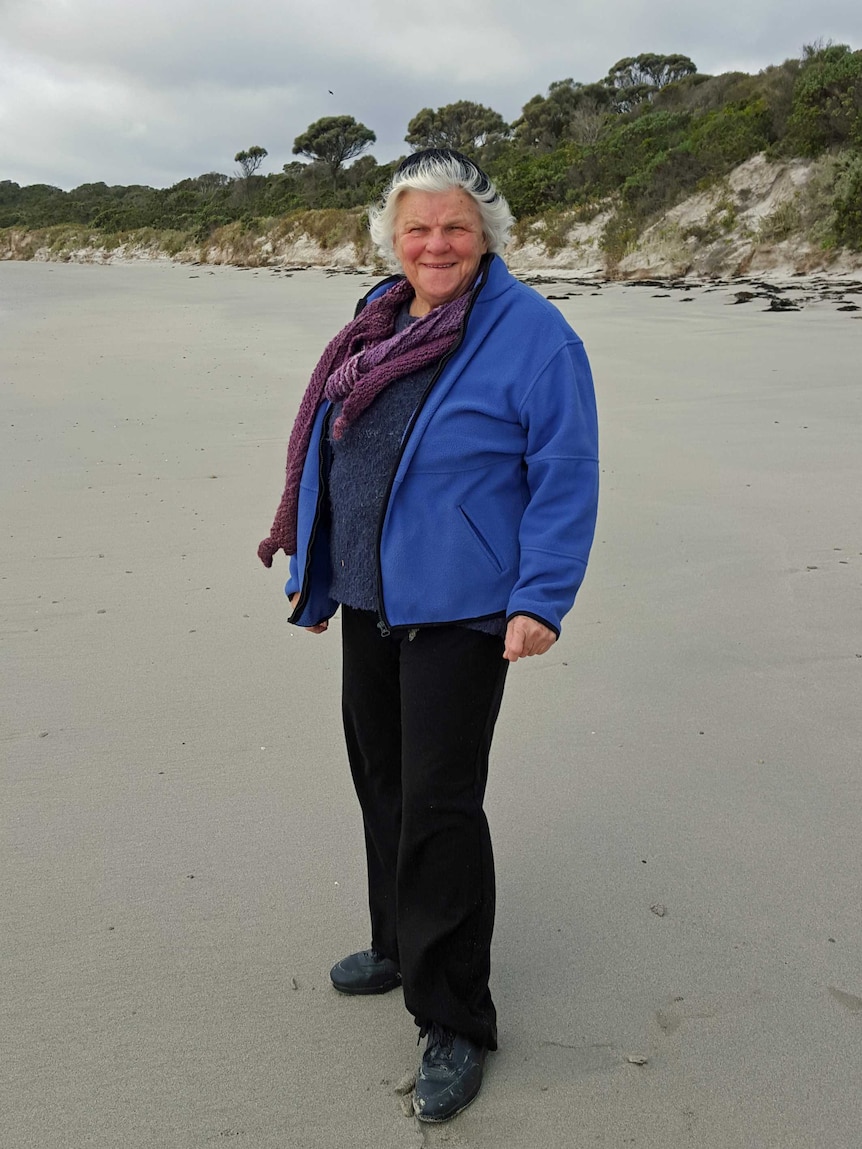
[440, 1039]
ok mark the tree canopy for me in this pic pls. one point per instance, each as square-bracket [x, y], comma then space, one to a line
[334, 141]
[637, 78]
[465, 126]
[570, 111]
[250, 160]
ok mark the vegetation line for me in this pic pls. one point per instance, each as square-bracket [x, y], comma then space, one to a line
[625, 150]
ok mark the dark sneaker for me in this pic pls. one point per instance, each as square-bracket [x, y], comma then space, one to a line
[450, 1074]
[365, 972]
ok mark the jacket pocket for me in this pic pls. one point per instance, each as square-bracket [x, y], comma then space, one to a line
[485, 546]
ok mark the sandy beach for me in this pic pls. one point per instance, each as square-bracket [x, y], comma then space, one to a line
[675, 789]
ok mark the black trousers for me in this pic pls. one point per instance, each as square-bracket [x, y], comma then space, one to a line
[419, 715]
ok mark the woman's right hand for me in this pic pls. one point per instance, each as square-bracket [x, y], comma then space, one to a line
[321, 626]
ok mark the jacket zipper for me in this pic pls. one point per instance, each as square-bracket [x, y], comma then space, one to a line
[322, 469]
[383, 622]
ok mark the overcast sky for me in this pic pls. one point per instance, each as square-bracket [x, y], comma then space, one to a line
[152, 91]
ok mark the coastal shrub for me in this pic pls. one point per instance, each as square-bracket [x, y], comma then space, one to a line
[772, 88]
[680, 95]
[34, 206]
[817, 201]
[827, 102]
[234, 243]
[847, 204]
[724, 139]
[62, 239]
[172, 242]
[532, 183]
[665, 180]
[333, 227]
[711, 95]
[631, 147]
[329, 227]
[781, 223]
[18, 244]
[619, 236]
[551, 231]
[704, 233]
[718, 223]
[776, 85]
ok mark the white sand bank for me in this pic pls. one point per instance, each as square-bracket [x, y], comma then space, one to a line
[181, 850]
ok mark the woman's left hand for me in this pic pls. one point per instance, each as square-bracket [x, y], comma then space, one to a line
[525, 637]
[321, 627]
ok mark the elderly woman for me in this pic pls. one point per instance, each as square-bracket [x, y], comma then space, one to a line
[441, 488]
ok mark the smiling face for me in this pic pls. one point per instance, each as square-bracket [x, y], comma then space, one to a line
[439, 243]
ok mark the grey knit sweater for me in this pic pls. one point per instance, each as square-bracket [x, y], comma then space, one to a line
[362, 461]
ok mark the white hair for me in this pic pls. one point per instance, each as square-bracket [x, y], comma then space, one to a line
[440, 170]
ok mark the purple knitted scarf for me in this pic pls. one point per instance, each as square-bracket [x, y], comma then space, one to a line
[360, 362]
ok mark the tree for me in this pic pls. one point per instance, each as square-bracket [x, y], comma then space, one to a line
[464, 126]
[636, 79]
[333, 141]
[570, 111]
[250, 160]
[210, 183]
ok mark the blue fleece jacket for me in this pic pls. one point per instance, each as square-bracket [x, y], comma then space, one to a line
[492, 504]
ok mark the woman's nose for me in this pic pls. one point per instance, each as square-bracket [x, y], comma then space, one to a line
[437, 241]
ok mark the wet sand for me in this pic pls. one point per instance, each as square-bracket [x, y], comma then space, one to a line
[675, 788]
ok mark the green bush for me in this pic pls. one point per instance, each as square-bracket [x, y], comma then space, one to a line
[848, 203]
[781, 224]
[619, 236]
[723, 139]
[665, 180]
[629, 148]
[532, 183]
[827, 102]
[330, 227]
